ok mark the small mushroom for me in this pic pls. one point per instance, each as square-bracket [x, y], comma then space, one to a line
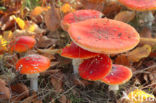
[79, 15]
[77, 55]
[32, 65]
[145, 6]
[104, 35]
[95, 68]
[22, 44]
[118, 75]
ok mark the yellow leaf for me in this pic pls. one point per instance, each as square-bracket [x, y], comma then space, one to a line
[125, 16]
[139, 53]
[31, 28]
[3, 42]
[19, 21]
[66, 8]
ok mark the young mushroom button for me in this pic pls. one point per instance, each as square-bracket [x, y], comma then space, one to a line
[104, 35]
[32, 65]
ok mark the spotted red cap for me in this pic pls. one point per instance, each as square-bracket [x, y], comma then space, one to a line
[104, 35]
[22, 43]
[95, 68]
[74, 51]
[118, 75]
[139, 5]
[79, 15]
[32, 64]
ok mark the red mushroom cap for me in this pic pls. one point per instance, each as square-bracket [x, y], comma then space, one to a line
[22, 43]
[139, 5]
[118, 75]
[32, 64]
[104, 35]
[74, 51]
[95, 68]
[79, 15]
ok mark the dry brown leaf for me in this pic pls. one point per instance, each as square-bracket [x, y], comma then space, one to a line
[93, 4]
[149, 41]
[45, 42]
[125, 16]
[139, 53]
[79, 82]
[9, 24]
[63, 99]
[123, 60]
[4, 90]
[146, 32]
[111, 9]
[52, 19]
[32, 99]
[57, 81]
[20, 91]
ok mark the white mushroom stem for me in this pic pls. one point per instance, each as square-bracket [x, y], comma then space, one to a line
[76, 63]
[33, 81]
[147, 18]
[114, 88]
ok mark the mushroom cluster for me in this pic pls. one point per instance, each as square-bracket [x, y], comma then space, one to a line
[92, 39]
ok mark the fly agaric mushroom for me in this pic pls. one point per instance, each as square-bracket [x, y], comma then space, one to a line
[142, 5]
[104, 35]
[118, 75]
[22, 43]
[95, 68]
[77, 55]
[32, 65]
[79, 15]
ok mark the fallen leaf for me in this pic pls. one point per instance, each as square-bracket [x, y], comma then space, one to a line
[123, 60]
[20, 22]
[63, 99]
[38, 10]
[79, 82]
[139, 53]
[111, 9]
[148, 41]
[45, 42]
[4, 90]
[32, 99]
[52, 19]
[125, 16]
[66, 8]
[57, 81]
[20, 91]
[93, 4]
[146, 32]
[37, 15]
